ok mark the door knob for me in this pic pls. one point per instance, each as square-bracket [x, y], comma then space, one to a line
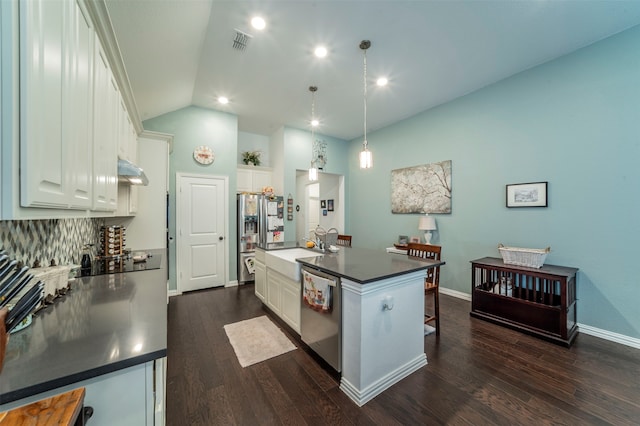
[221, 238]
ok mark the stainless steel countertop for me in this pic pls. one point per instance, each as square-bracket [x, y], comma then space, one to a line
[106, 323]
[366, 265]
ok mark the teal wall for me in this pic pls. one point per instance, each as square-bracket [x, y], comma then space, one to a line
[192, 127]
[297, 153]
[574, 122]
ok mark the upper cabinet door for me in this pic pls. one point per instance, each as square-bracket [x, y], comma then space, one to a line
[56, 58]
[78, 117]
[106, 108]
[42, 155]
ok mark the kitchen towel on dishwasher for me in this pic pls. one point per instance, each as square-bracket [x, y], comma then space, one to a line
[317, 292]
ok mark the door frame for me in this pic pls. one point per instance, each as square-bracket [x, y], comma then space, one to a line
[180, 213]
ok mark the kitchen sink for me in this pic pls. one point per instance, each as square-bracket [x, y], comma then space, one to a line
[284, 261]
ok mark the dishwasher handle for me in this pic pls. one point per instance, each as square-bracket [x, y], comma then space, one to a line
[332, 279]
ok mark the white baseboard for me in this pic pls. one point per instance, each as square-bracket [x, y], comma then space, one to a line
[582, 328]
[362, 396]
[232, 284]
[456, 294]
[609, 335]
[172, 293]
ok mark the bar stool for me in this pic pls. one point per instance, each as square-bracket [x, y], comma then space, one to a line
[432, 280]
[344, 240]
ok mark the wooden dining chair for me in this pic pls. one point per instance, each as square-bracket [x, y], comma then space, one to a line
[432, 280]
[344, 240]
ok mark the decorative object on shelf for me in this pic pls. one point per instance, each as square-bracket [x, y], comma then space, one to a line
[402, 243]
[330, 205]
[422, 189]
[267, 190]
[414, 240]
[313, 170]
[527, 194]
[290, 207]
[532, 258]
[366, 158]
[204, 155]
[428, 224]
[251, 158]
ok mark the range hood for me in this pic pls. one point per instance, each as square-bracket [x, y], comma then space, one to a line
[130, 173]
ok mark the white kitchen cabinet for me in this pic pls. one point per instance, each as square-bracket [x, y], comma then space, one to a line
[260, 280]
[106, 107]
[290, 297]
[56, 69]
[127, 193]
[253, 179]
[273, 296]
[283, 298]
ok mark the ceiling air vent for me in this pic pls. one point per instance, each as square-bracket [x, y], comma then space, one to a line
[241, 40]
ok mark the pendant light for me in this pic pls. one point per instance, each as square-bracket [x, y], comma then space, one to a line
[366, 158]
[313, 170]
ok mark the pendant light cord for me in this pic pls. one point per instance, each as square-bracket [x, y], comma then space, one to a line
[365, 98]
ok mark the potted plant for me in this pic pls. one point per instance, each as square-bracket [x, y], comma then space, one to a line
[251, 158]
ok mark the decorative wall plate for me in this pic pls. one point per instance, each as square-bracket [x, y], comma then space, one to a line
[204, 155]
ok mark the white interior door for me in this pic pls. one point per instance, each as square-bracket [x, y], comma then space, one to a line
[201, 232]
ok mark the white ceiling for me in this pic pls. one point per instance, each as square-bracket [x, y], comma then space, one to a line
[179, 53]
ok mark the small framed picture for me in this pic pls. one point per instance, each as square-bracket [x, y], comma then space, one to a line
[403, 239]
[330, 205]
[324, 212]
[323, 204]
[289, 217]
[414, 239]
[527, 194]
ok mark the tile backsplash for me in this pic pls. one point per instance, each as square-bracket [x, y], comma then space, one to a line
[43, 240]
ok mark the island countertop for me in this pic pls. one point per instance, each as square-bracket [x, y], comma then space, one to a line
[366, 265]
[279, 246]
[104, 324]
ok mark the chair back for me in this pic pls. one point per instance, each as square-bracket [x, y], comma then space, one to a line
[344, 240]
[427, 251]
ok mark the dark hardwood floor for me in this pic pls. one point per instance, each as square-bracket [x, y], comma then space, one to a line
[478, 374]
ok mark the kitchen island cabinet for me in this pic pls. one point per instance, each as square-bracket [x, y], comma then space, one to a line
[108, 334]
[278, 292]
[382, 317]
[382, 314]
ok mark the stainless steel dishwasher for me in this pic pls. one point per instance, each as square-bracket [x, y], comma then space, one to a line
[321, 328]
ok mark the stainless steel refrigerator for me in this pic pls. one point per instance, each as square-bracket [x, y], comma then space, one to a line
[260, 221]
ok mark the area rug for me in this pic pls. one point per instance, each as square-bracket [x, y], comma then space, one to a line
[256, 340]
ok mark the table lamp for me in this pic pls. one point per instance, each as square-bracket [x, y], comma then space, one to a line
[427, 224]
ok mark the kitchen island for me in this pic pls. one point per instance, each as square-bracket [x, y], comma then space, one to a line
[108, 334]
[382, 317]
[382, 304]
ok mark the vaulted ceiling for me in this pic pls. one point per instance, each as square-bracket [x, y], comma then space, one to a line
[180, 52]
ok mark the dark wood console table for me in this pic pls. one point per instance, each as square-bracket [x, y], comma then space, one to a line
[538, 301]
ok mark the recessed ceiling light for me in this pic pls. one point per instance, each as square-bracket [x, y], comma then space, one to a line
[382, 81]
[223, 100]
[320, 51]
[258, 23]
[315, 123]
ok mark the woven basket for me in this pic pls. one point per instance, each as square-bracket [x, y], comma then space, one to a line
[532, 258]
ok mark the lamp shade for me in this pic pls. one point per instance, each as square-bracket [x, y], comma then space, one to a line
[427, 223]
